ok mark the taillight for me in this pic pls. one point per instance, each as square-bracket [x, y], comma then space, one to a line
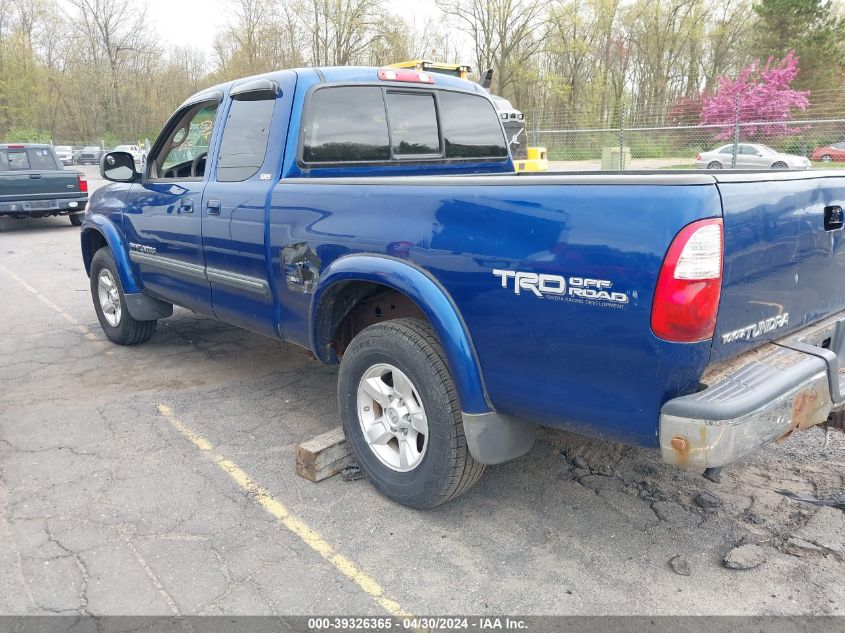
[83, 183]
[686, 300]
[408, 76]
[698, 157]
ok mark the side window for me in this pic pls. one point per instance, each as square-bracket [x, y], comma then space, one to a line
[727, 149]
[346, 124]
[471, 127]
[413, 123]
[244, 139]
[184, 150]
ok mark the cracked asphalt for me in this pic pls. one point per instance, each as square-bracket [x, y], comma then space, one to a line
[107, 508]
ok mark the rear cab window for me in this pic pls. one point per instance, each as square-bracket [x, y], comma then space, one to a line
[371, 125]
[24, 159]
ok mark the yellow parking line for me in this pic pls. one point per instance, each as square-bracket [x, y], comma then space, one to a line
[298, 527]
[79, 327]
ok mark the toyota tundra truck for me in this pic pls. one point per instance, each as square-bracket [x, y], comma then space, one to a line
[373, 217]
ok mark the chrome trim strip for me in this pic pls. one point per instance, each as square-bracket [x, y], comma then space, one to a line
[246, 283]
[240, 282]
[171, 265]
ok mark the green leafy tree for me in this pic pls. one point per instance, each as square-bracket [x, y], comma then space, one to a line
[813, 30]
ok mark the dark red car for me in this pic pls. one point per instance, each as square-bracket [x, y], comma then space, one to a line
[828, 153]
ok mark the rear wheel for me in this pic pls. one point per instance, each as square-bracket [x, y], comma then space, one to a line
[714, 164]
[401, 415]
[780, 165]
[110, 303]
[827, 158]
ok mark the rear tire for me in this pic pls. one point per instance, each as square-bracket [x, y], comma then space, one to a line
[827, 158]
[715, 164]
[110, 303]
[76, 219]
[402, 357]
[780, 165]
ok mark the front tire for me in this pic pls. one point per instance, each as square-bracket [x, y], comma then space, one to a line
[780, 165]
[110, 303]
[401, 415]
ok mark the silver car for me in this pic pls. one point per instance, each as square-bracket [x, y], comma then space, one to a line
[64, 153]
[750, 156]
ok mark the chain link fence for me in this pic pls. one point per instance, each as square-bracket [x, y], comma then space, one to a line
[640, 138]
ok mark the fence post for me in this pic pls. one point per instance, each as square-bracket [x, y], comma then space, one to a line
[621, 137]
[736, 131]
[534, 128]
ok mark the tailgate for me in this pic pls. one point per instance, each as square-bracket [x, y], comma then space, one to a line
[19, 186]
[784, 263]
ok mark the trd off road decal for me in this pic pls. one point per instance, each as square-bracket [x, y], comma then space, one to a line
[557, 287]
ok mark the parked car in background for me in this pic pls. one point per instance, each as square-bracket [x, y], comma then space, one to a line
[64, 153]
[34, 184]
[77, 152]
[750, 156]
[138, 154]
[830, 153]
[90, 155]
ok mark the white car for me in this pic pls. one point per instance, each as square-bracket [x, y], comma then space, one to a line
[64, 153]
[750, 156]
[138, 154]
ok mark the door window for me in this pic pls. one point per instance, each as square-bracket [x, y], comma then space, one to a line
[185, 147]
[244, 143]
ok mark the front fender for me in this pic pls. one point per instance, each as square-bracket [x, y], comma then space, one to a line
[117, 245]
[431, 298]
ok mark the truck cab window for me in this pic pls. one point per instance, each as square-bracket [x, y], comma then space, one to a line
[413, 123]
[183, 154]
[245, 137]
[471, 127]
[346, 125]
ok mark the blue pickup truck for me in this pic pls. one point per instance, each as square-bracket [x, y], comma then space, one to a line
[373, 216]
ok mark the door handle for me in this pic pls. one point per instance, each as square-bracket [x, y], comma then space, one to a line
[213, 207]
[186, 205]
[35, 176]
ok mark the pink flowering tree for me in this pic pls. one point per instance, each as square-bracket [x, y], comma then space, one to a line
[762, 98]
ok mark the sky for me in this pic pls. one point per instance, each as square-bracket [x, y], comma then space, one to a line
[194, 22]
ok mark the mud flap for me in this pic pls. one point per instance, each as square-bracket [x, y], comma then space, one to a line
[493, 438]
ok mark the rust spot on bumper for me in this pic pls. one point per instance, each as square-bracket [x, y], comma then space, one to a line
[806, 407]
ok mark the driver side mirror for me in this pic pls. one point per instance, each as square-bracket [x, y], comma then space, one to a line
[118, 167]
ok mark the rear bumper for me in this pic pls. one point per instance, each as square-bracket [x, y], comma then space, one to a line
[59, 205]
[792, 384]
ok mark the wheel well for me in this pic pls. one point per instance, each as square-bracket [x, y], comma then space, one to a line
[352, 306]
[92, 241]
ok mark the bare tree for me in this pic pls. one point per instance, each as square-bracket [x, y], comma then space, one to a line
[505, 33]
[114, 33]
